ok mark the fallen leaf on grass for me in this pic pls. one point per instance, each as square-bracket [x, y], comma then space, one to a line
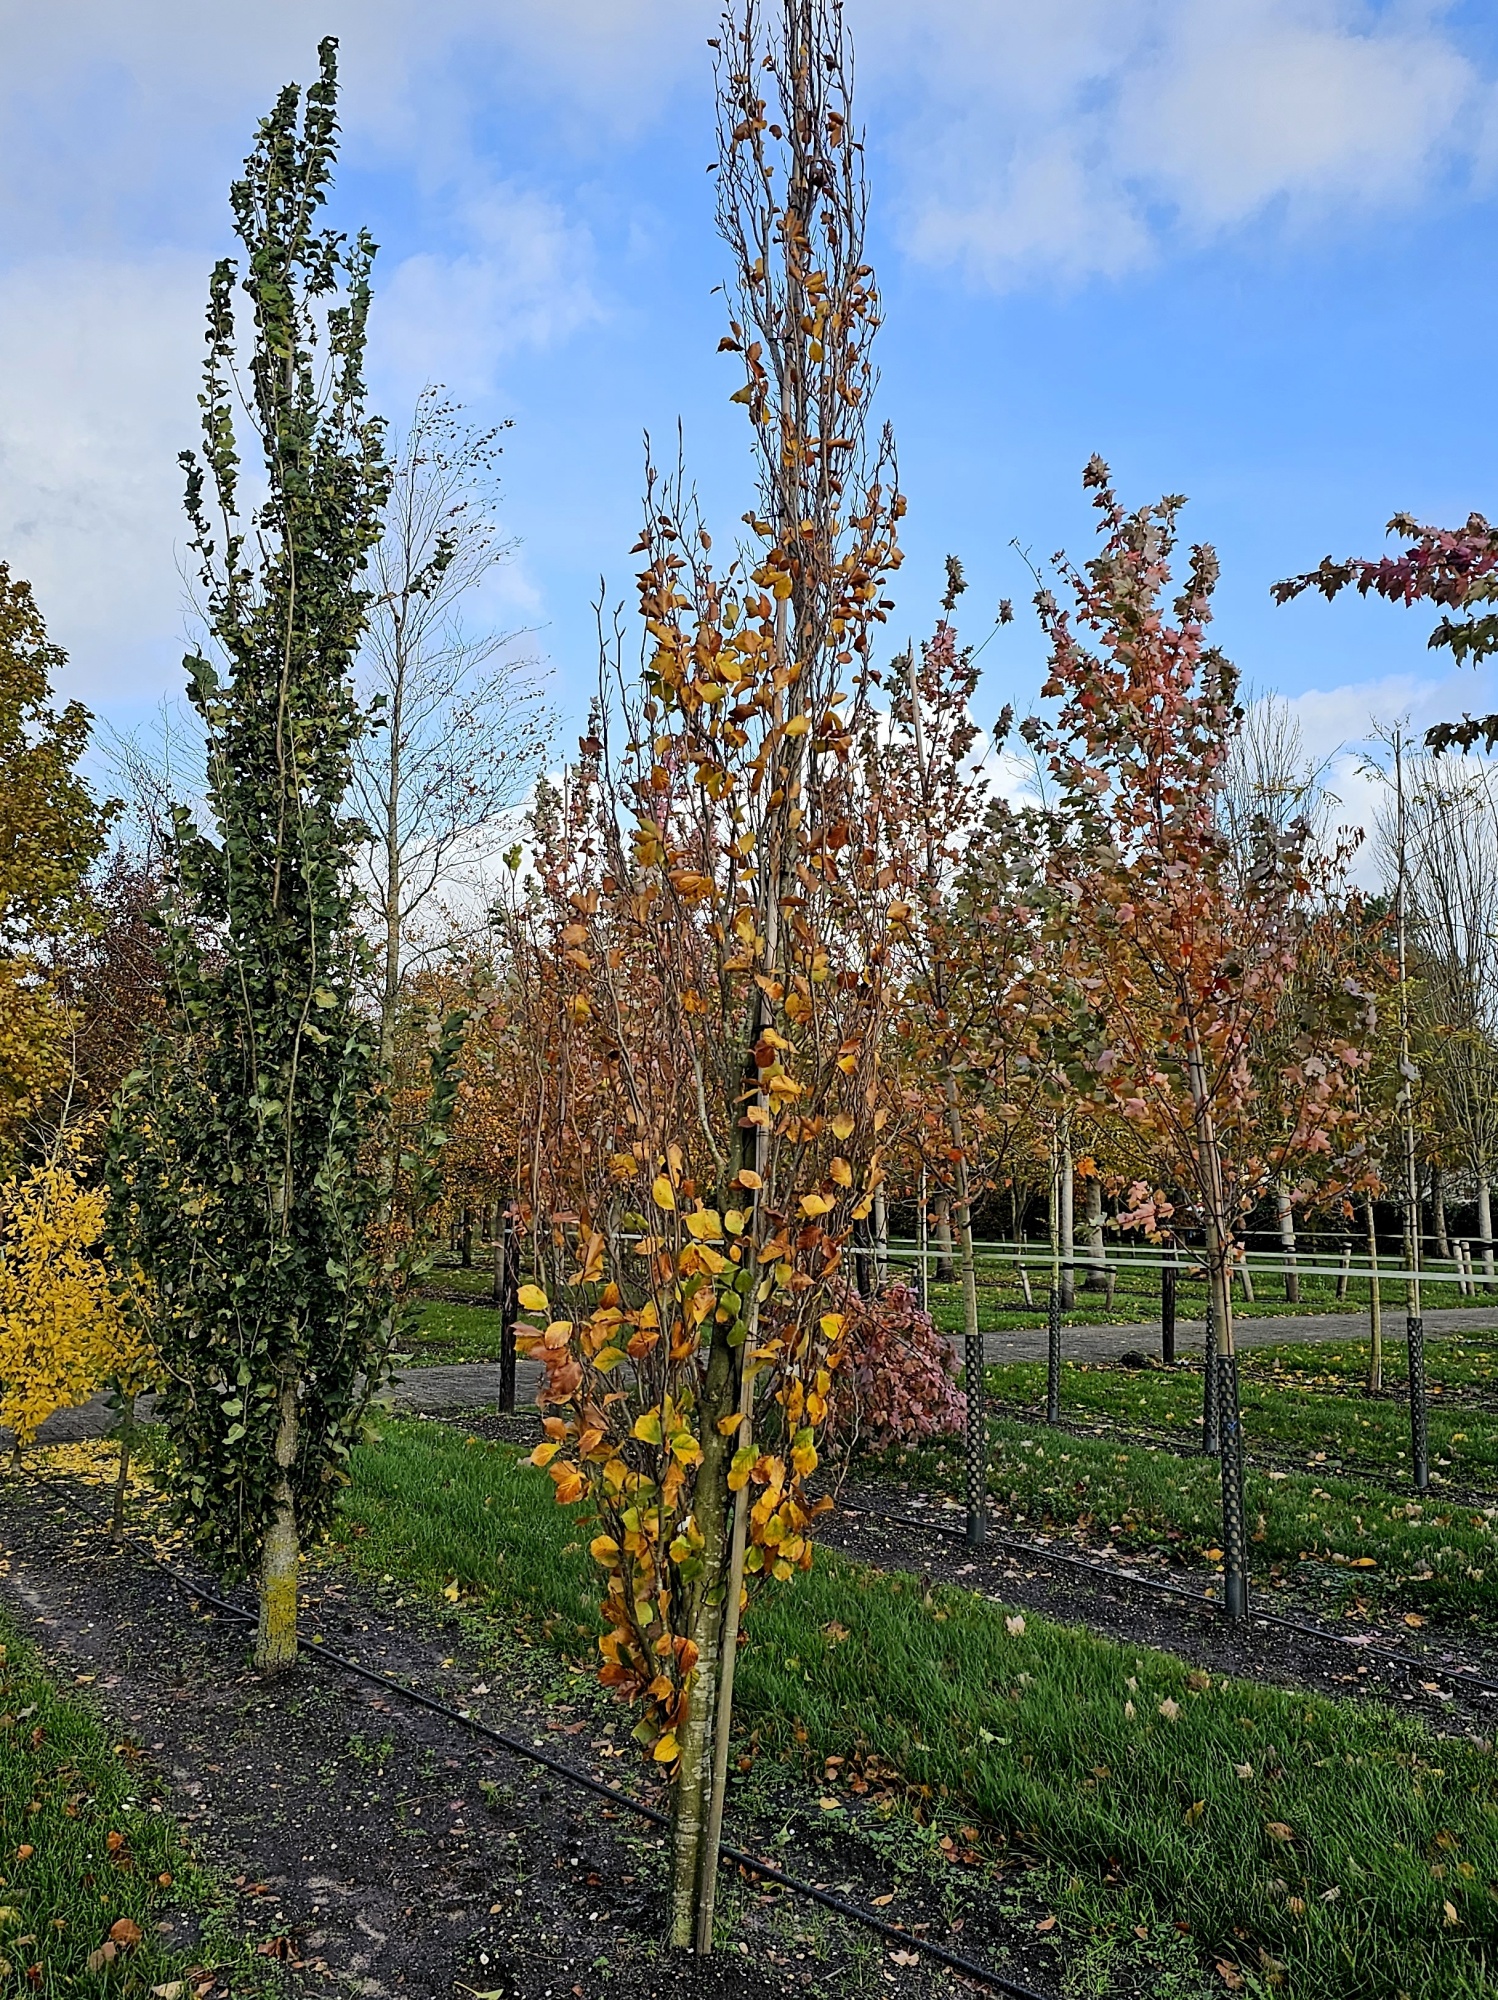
[173, 1990]
[881, 1901]
[905, 1958]
[1015, 1626]
[1046, 1924]
[1245, 1771]
[1170, 1709]
[1413, 1618]
[1231, 1978]
[1277, 1830]
[1448, 1910]
[1194, 1811]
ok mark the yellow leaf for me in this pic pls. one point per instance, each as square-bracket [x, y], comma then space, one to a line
[734, 1220]
[451, 1591]
[832, 1324]
[534, 1299]
[705, 1225]
[842, 1124]
[841, 1172]
[648, 1427]
[798, 725]
[816, 1204]
[604, 1549]
[661, 1193]
[748, 1178]
[665, 1751]
[544, 1453]
[1194, 1811]
[607, 1358]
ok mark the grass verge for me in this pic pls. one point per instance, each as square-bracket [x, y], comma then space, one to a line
[94, 1876]
[1315, 1848]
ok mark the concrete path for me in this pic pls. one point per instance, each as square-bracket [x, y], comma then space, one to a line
[466, 1385]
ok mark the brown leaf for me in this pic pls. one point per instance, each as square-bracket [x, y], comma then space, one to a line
[126, 1932]
[1046, 1924]
[1277, 1830]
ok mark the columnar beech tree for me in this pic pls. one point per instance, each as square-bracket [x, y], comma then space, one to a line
[703, 961]
[244, 1164]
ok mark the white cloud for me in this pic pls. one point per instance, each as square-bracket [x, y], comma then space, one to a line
[523, 280]
[1077, 140]
[98, 375]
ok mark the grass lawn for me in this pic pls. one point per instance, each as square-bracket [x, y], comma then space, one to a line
[1287, 1409]
[1321, 1849]
[447, 1332]
[89, 1863]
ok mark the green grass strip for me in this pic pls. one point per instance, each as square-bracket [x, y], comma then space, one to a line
[89, 1863]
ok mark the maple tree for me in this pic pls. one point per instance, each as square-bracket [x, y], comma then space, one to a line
[1456, 568]
[1173, 964]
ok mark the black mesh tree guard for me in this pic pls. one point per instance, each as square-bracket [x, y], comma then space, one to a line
[977, 1442]
[1414, 1328]
[1211, 1430]
[1230, 1456]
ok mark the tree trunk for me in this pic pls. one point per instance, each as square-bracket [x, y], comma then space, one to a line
[276, 1637]
[692, 1796]
[1485, 1221]
[1438, 1212]
[1246, 1279]
[1344, 1274]
[881, 1241]
[466, 1239]
[1097, 1277]
[973, 1383]
[1375, 1306]
[122, 1471]
[1286, 1215]
[942, 1220]
[923, 1247]
[1068, 1195]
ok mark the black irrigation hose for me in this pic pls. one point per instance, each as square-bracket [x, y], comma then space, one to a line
[1460, 1675]
[733, 1856]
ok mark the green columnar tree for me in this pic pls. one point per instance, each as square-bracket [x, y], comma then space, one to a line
[246, 1160]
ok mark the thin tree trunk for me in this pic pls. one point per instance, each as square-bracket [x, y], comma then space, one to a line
[923, 1247]
[1246, 1279]
[881, 1241]
[1344, 1274]
[1485, 1222]
[1068, 1195]
[692, 1798]
[1438, 1212]
[276, 1635]
[122, 1471]
[942, 1221]
[1375, 1307]
[977, 1421]
[1286, 1215]
[1097, 1275]
[466, 1239]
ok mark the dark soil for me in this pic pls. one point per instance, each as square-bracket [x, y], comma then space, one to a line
[383, 1851]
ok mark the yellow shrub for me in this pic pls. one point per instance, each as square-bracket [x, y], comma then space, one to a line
[62, 1333]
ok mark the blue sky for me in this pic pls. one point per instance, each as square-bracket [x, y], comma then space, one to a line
[1244, 248]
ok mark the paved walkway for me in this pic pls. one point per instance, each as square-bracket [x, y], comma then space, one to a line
[465, 1385]
[1106, 1343]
